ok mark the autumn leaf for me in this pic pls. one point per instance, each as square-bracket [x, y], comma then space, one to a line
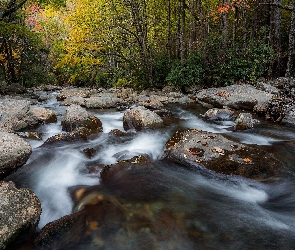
[247, 160]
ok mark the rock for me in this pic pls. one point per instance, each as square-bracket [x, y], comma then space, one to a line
[267, 88]
[140, 118]
[30, 135]
[281, 82]
[78, 117]
[68, 92]
[76, 135]
[65, 232]
[74, 100]
[103, 102]
[20, 211]
[41, 115]
[245, 121]
[118, 132]
[215, 152]
[289, 119]
[234, 96]
[123, 176]
[12, 111]
[89, 152]
[163, 112]
[14, 153]
[216, 114]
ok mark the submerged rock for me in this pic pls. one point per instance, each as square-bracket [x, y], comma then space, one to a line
[140, 118]
[20, 211]
[215, 152]
[78, 117]
[14, 153]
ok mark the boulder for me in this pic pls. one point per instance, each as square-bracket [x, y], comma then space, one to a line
[79, 134]
[20, 211]
[68, 92]
[14, 153]
[140, 118]
[213, 151]
[289, 119]
[78, 117]
[74, 100]
[103, 102]
[216, 114]
[245, 121]
[281, 82]
[12, 112]
[235, 96]
[41, 115]
[267, 88]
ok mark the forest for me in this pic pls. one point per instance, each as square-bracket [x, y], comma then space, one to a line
[145, 43]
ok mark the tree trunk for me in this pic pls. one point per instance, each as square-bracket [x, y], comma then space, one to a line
[169, 28]
[182, 30]
[275, 36]
[291, 43]
[225, 25]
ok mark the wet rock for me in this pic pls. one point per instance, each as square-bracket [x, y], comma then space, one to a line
[216, 114]
[163, 112]
[30, 135]
[140, 118]
[68, 92]
[41, 115]
[245, 121]
[130, 179]
[78, 117]
[215, 152]
[76, 135]
[89, 152]
[64, 233]
[20, 211]
[118, 132]
[235, 96]
[14, 153]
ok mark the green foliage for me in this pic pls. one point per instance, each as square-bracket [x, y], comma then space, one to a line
[240, 62]
[215, 65]
[162, 66]
[188, 74]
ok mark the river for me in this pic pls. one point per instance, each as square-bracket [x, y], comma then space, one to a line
[170, 206]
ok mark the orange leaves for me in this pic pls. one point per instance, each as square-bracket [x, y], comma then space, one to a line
[223, 7]
[221, 93]
[247, 160]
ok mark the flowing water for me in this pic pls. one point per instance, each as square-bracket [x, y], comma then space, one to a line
[170, 206]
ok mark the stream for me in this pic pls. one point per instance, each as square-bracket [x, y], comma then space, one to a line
[171, 206]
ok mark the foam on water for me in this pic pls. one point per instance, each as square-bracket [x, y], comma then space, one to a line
[194, 122]
[53, 180]
[151, 143]
[111, 121]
